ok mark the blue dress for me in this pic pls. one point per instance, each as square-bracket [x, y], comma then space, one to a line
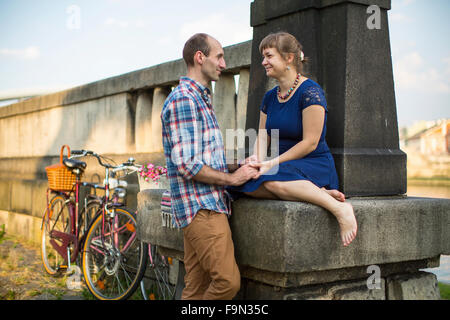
[318, 166]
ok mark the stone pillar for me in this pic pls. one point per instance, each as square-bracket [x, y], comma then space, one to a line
[159, 96]
[144, 122]
[353, 65]
[224, 102]
[242, 98]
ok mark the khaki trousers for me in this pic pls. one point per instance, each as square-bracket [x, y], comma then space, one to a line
[211, 269]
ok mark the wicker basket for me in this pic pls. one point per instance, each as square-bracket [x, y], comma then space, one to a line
[59, 177]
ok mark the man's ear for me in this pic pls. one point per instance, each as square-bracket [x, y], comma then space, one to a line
[198, 57]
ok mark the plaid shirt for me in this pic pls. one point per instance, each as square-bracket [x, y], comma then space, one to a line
[192, 139]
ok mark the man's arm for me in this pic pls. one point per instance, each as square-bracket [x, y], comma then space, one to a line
[185, 135]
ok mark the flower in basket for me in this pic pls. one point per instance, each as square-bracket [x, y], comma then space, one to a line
[151, 172]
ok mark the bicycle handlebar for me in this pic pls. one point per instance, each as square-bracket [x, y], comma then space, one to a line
[84, 153]
[129, 165]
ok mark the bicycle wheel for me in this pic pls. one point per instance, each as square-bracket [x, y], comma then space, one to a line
[56, 218]
[114, 260]
[161, 278]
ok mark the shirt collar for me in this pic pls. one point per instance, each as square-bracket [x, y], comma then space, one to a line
[195, 85]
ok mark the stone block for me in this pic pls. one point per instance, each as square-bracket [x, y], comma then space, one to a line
[418, 286]
[295, 237]
[356, 290]
[348, 290]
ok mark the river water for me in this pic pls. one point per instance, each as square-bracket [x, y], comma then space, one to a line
[433, 191]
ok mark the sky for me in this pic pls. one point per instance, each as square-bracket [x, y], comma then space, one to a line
[51, 45]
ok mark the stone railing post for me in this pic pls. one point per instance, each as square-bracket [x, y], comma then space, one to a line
[242, 98]
[143, 122]
[353, 65]
[224, 102]
[159, 96]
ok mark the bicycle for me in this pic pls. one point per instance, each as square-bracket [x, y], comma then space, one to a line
[63, 225]
[113, 260]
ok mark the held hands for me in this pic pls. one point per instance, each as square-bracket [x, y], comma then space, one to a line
[263, 166]
[251, 169]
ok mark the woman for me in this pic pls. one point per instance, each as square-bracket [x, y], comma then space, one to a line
[304, 169]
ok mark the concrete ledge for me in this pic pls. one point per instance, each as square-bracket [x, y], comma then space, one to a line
[295, 237]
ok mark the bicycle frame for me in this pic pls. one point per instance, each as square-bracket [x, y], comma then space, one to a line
[66, 238]
[106, 202]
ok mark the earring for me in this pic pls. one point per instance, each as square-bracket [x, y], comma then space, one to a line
[288, 68]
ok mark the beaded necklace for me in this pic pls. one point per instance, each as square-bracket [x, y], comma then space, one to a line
[291, 89]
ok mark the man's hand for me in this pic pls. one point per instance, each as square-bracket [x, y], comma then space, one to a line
[243, 174]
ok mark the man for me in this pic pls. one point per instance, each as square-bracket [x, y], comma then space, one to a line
[198, 174]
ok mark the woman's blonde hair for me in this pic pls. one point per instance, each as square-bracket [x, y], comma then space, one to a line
[285, 43]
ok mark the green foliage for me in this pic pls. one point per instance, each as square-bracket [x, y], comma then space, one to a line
[445, 290]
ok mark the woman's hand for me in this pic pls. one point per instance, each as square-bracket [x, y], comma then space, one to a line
[251, 159]
[264, 166]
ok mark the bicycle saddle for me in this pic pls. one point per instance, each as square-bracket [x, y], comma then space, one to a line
[74, 164]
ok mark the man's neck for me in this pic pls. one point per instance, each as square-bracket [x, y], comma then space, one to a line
[197, 76]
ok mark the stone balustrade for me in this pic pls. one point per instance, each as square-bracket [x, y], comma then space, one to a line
[118, 117]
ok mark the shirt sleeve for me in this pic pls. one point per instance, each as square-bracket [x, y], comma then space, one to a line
[185, 134]
[313, 95]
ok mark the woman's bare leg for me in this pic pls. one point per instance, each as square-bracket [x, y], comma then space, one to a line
[304, 190]
[262, 193]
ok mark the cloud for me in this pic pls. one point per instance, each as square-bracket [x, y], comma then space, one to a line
[447, 65]
[407, 2]
[411, 72]
[29, 53]
[219, 26]
[113, 22]
[399, 17]
[402, 3]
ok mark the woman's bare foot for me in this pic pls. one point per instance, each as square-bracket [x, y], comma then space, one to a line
[339, 196]
[347, 222]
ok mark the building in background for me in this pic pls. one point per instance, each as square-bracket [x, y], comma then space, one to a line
[427, 144]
